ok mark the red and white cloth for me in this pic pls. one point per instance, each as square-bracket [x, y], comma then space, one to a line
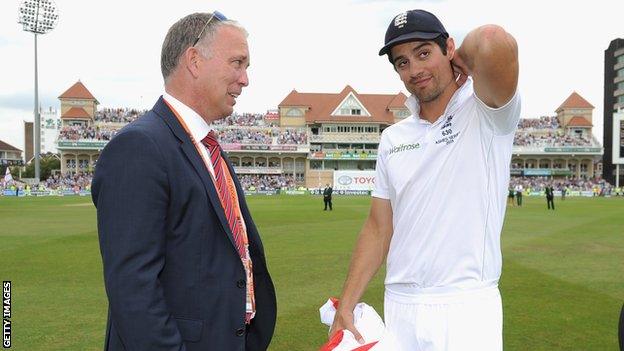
[366, 321]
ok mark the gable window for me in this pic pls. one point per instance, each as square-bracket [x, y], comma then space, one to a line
[294, 112]
[350, 112]
[351, 106]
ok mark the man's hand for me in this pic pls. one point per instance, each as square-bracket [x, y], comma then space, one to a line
[460, 69]
[344, 320]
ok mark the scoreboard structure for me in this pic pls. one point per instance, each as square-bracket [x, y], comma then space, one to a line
[618, 144]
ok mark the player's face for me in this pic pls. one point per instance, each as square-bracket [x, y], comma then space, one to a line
[423, 68]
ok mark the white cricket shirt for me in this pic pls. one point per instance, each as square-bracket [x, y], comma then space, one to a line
[447, 184]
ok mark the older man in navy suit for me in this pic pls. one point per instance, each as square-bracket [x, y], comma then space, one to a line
[184, 266]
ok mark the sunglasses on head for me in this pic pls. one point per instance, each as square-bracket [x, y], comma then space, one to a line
[215, 15]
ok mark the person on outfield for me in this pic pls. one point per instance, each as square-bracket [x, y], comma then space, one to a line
[184, 266]
[510, 196]
[442, 250]
[519, 192]
[550, 197]
[327, 197]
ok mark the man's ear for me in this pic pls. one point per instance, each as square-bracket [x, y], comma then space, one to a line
[450, 48]
[191, 59]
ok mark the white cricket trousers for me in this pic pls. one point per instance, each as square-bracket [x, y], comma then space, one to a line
[469, 320]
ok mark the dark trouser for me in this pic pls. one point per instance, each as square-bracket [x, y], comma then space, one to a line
[327, 201]
[550, 202]
[519, 198]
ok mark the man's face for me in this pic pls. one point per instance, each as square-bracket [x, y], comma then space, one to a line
[423, 68]
[224, 72]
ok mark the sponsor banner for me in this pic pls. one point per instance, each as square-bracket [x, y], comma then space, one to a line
[354, 180]
[572, 149]
[353, 192]
[229, 147]
[537, 172]
[263, 147]
[540, 172]
[557, 193]
[343, 156]
[294, 192]
[319, 191]
[255, 147]
[284, 147]
[96, 144]
[68, 192]
[40, 193]
[260, 192]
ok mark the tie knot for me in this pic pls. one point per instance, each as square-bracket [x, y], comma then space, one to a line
[211, 139]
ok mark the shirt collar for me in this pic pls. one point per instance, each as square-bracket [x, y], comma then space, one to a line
[196, 125]
[458, 98]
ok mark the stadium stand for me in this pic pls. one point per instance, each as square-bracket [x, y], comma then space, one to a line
[312, 135]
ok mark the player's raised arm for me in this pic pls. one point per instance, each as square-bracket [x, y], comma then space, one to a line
[490, 55]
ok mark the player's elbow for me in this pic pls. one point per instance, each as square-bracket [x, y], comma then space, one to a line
[496, 43]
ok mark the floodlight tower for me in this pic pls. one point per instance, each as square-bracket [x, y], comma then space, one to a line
[37, 17]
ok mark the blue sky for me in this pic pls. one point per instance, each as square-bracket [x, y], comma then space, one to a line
[113, 47]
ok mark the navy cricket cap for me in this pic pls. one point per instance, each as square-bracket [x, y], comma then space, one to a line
[410, 26]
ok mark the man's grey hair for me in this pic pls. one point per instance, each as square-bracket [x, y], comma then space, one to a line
[183, 33]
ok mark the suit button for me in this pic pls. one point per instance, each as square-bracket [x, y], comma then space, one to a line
[241, 283]
[240, 332]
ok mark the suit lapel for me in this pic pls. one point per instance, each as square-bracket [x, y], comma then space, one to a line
[196, 161]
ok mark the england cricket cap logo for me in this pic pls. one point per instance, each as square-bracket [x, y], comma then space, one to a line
[400, 20]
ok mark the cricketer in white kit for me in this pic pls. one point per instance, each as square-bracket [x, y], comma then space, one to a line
[439, 200]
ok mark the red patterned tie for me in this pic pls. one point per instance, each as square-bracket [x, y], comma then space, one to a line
[227, 194]
[224, 193]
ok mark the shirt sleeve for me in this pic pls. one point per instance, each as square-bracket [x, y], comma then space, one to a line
[502, 120]
[381, 176]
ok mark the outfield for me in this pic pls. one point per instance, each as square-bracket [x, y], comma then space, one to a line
[562, 284]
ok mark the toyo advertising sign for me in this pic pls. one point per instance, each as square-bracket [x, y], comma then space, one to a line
[354, 180]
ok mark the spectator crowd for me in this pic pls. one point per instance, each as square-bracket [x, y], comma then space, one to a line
[597, 185]
[74, 133]
[77, 181]
[262, 136]
[266, 182]
[118, 115]
[546, 122]
[243, 119]
[549, 139]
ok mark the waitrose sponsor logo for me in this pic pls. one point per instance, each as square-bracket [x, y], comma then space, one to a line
[404, 147]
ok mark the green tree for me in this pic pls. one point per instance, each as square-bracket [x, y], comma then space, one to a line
[48, 163]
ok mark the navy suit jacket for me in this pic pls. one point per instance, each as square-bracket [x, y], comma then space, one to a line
[173, 276]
